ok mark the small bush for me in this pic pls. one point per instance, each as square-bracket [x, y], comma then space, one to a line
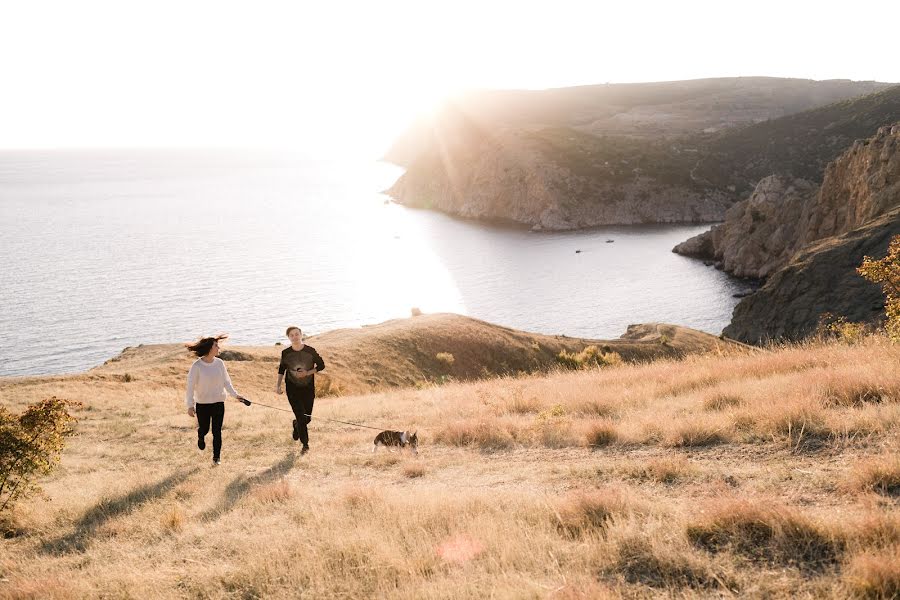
[874, 575]
[640, 562]
[765, 533]
[595, 408]
[695, 434]
[30, 446]
[840, 329]
[555, 433]
[668, 469]
[445, 357]
[855, 394]
[879, 474]
[522, 405]
[273, 493]
[413, 470]
[600, 434]
[484, 435]
[802, 425]
[581, 512]
[718, 402]
[173, 519]
[590, 357]
[886, 271]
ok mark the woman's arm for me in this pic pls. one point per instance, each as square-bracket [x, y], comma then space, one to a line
[191, 382]
[228, 387]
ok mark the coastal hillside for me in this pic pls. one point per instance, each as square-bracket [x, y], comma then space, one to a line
[633, 109]
[558, 169]
[414, 352]
[796, 146]
[807, 241]
[753, 474]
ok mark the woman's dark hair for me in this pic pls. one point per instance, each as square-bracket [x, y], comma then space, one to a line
[290, 329]
[202, 346]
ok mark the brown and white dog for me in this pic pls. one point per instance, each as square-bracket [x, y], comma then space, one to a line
[400, 439]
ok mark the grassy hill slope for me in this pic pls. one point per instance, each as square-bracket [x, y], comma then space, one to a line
[752, 474]
[405, 353]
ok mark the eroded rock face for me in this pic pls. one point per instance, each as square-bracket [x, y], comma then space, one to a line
[820, 279]
[506, 180]
[854, 213]
[782, 216]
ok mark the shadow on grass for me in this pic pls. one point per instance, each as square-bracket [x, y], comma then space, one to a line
[241, 485]
[108, 508]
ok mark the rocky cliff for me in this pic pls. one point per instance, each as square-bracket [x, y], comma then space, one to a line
[820, 279]
[782, 216]
[807, 241]
[554, 179]
[649, 153]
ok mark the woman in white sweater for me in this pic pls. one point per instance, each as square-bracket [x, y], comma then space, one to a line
[207, 383]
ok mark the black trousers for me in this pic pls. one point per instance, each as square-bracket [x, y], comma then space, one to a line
[211, 414]
[301, 400]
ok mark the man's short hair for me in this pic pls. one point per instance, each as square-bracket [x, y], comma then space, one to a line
[290, 329]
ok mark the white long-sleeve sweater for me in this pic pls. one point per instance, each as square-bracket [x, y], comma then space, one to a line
[208, 382]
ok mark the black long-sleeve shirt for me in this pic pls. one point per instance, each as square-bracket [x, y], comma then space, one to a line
[306, 358]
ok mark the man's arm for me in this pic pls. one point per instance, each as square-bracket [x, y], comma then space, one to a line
[319, 363]
[281, 369]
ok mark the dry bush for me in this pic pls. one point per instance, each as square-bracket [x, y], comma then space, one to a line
[721, 401]
[173, 519]
[554, 433]
[488, 435]
[874, 529]
[692, 434]
[601, 433]
[521, 405]
[846, 392]
[384, 458]
[595, 408]
[591, 356]
[765, 532]
[413, 470]
[668, 469]
[359, 497]
[272, 493]
[874, 575]
[879, 474]
[802, 424]
[445, 357]
[639, 561]
[583, 512]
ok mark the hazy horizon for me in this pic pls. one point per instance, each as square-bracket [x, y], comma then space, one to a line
[347, 78]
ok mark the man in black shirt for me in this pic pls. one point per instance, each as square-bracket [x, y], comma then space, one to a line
[298, 368]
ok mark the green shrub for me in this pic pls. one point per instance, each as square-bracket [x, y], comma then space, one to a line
[30, 445]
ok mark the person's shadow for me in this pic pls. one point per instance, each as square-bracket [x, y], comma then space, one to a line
[87, 526]
[241, 485]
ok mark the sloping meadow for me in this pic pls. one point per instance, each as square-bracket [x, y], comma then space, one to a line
[760, 474]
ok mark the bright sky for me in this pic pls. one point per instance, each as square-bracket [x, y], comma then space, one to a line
[332, 74]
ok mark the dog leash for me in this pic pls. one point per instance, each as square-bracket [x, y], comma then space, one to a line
[248, 403]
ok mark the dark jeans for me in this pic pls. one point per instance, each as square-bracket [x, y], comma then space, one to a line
[211, 413]
[301, 400]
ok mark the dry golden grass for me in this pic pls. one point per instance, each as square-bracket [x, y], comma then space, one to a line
[879, 474]
[509, 496]
[874, 575]
[601, 433]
